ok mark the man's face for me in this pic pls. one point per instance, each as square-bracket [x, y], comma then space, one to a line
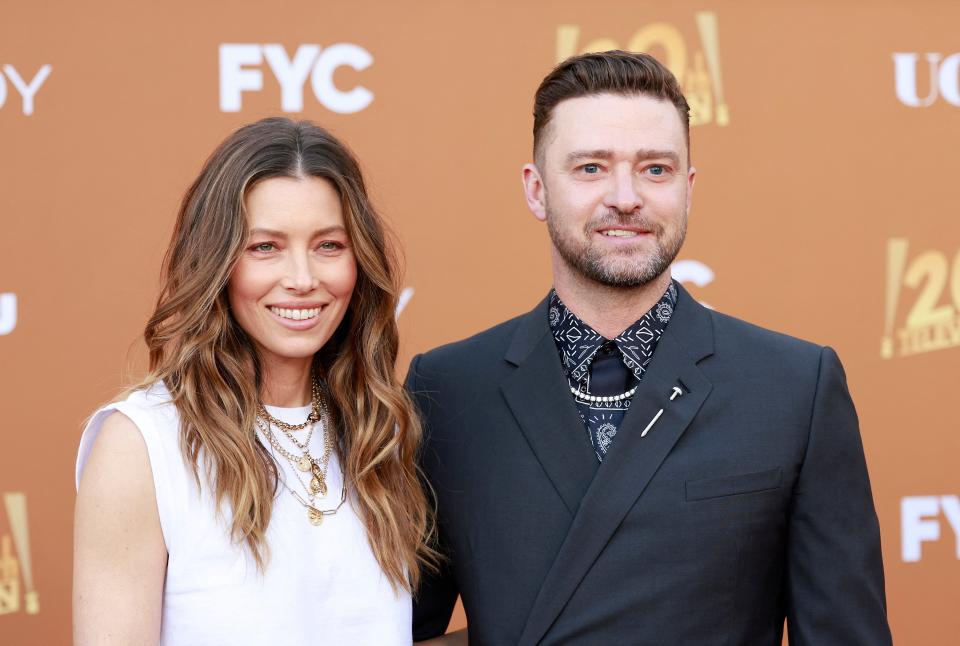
[614, 187]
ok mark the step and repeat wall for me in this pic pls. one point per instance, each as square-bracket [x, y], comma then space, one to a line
[824, 134]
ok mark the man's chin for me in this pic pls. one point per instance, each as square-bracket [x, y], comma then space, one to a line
[618, 276]
[622, 281]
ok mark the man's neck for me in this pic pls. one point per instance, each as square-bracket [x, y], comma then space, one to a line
[608, 310]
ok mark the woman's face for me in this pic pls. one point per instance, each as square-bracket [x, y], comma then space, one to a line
[293, 283]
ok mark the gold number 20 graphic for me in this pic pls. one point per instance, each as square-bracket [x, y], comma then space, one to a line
[929, 319]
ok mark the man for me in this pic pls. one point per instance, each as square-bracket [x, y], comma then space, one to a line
[622, 465]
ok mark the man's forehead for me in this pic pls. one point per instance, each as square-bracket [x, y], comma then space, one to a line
[614, 122]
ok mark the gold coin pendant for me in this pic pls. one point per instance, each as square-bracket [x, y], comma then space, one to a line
[316, 486]
[314, 516]
[305, 463]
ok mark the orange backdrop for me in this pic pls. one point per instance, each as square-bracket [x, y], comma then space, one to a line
[825, 139]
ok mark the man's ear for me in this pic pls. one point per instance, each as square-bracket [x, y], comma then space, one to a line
[535, 191]
[691, 177]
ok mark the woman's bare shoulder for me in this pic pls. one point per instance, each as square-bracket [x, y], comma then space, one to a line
[116, 488]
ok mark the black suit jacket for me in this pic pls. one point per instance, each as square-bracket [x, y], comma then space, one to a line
[747, 502]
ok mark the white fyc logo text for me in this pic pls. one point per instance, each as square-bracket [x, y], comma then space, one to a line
[920, 522]
[239, 73]
[944, 78]
[8, 313]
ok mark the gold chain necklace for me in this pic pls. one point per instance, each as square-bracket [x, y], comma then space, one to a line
[305, 462]
[317, 405]
[317, 468]
[293, 438]
[315, 515]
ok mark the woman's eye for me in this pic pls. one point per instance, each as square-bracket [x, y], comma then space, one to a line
[330, 245]
[263, 246]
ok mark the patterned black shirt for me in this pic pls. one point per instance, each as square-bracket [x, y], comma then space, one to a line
[578, 344]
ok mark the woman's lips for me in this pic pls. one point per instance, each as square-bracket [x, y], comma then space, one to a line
[296, 318]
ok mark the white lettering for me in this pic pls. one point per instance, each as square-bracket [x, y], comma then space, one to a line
[27, 90]
[944, 78]
[3, 91]
[950, 79]
[905, 71]
[951, 509]
[918, 523]
[234, 79]
[402, 301]
[238, 74]
[692, 271]
[327, 93]
[291, 74]
[8, 313]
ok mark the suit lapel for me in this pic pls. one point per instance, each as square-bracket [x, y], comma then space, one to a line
[633, 460]
[538, 395]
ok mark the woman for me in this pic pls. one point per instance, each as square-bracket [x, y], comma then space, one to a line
[259, 486]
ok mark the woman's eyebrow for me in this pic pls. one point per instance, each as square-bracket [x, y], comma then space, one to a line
[274, 233]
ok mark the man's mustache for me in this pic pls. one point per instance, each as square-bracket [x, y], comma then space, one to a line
[615, 217]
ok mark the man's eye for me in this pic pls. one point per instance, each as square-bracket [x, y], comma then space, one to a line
[591, 169]
[657, 170]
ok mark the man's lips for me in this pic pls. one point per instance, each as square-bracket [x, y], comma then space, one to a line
[622, 232]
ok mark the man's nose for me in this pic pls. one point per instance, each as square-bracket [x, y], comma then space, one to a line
[623, 194]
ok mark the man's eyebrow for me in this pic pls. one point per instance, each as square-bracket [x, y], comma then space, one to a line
[579, 155]
[644, 154]
[273, 233]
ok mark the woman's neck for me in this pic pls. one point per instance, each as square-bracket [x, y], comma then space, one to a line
[286, 383]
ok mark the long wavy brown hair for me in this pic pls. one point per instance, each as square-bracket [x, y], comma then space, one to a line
[211, 368]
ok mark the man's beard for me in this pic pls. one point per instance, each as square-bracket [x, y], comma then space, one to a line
[615, 268]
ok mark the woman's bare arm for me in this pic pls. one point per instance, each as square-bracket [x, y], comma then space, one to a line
[119, 555]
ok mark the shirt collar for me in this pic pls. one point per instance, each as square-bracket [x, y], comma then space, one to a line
[577, 342]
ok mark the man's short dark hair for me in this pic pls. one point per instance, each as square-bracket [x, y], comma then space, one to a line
[612, 72]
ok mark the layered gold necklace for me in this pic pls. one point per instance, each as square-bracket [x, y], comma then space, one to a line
[305, 462]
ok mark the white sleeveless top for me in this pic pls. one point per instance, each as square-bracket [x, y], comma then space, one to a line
[322, 584]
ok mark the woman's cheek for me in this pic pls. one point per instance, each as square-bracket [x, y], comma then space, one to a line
[348, 276]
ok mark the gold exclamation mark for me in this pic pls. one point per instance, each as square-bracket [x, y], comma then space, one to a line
[710, 38]
[896, 262]
[16, 504]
